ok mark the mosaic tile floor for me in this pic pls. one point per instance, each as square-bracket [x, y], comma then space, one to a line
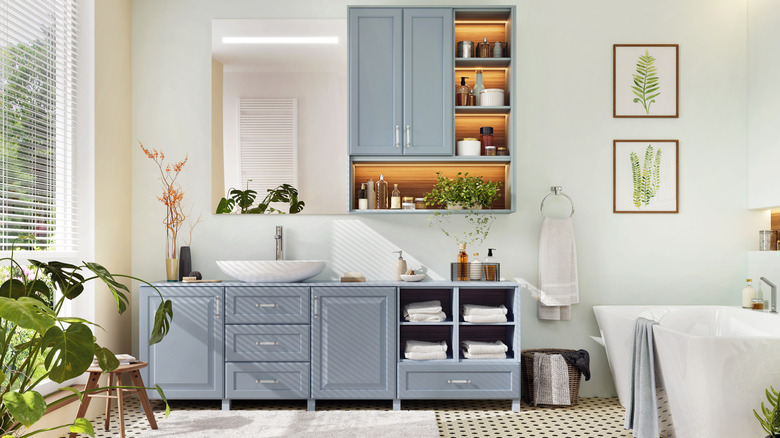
[592, 417]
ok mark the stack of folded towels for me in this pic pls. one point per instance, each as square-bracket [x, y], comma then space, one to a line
[484, 350]
[421, 350]
[426, 311]
[476, 313]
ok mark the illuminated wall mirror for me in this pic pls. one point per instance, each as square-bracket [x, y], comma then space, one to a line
[279, 109]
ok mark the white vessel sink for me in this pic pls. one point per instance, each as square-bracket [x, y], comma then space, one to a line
[272, 271]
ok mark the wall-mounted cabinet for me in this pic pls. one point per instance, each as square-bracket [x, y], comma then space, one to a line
[404, 123]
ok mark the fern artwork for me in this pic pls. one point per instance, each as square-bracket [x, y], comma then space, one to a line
[645, 176]
[645, 80]
[646, 86]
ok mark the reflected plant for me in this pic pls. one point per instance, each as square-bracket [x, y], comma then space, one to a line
[243, 199]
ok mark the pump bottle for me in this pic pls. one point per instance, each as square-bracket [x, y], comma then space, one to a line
[400, 266]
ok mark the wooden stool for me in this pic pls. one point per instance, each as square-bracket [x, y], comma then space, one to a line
[115, 378]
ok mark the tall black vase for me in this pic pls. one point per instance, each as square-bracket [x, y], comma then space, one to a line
[185, 262]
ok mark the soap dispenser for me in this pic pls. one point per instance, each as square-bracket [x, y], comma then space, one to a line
[748, 293]
[490, 266]
[462, 92]
[400, 266]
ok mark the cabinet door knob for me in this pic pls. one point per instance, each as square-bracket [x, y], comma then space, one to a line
[397, 136]
[266, 305]
[453, 381]
[266, 343]
[266, 381]
[408, 136]
[316, 306]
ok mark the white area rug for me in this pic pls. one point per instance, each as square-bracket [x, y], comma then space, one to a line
[298, 424]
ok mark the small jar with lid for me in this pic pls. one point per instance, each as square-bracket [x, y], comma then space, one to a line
[485, 138]
[407, 203]
[419, 203]
[490, 151]
[502, 151]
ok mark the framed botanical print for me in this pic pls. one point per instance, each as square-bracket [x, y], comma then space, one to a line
[645, 176]
[645, 80]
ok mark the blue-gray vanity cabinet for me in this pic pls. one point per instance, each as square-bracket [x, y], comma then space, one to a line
[401, 90]
[284, 380]
[458, 381]
[353, 343]
[188, 362]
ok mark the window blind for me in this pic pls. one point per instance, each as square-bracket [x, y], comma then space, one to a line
[38, 67]
[268, 143]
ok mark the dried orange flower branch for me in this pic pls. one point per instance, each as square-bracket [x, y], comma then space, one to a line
[172, 196]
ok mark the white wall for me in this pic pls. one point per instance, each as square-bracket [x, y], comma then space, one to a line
[322, 132]
[565, 131]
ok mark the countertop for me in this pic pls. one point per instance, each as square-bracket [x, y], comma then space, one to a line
[404, 284]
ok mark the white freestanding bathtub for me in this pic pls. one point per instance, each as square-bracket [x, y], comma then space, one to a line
[715, 363]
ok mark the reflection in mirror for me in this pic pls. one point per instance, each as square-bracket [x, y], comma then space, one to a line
[279, 111]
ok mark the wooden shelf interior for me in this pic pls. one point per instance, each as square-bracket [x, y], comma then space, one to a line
[476, 30]
[488, 333]
[487, 297]
[426, 333]
[468, 125]
[494, 77]
[444, 296]
[417, 179]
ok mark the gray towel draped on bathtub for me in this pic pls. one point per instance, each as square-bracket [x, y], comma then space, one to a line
[642, 409]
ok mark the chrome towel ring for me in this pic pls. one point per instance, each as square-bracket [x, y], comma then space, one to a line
[556, 190]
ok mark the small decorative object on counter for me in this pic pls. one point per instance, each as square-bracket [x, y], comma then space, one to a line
[476, 268]
[484, 49]
[462, 92]
[502, 151]
[400, 266]
[758, 304]
[407, 203]
[362, 197]
[463, 263]
[497, 53]
[465, 49]
[765, 239]
[491, 97]
[395, 199]
[371, 194]
[478, 85]
[185, 262]
[748, 293]
[490, 266]
[472, 98]
[382, 201]
[353, 277]
[485, 138]
[468, 146]
[490, 151]
[419, 203]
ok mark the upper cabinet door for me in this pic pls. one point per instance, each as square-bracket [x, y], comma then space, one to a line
[428, 82]
[375, 81]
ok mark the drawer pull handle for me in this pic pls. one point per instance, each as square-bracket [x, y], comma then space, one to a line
[267, 381]
[452, 381]
[316, 306]
[216, 308]
[266, 343]
[266, 305]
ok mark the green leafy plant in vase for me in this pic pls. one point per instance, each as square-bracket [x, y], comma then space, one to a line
[771, 415]
[32, 329]
[243, 199]
[470, 192]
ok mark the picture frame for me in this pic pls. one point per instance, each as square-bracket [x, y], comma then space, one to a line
[645, 176]
[646, 79]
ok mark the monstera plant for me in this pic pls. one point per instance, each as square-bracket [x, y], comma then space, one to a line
[243, 199]
[38, 343]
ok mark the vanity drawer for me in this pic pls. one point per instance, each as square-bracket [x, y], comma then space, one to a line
[267, 380]
[267, 305]
[267, 343]
[459, 380]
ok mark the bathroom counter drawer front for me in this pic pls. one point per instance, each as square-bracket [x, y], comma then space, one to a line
[267, 343]
[267, 305]
[267, 380]
[458, 381]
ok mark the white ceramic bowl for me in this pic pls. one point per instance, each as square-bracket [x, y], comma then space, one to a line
[415, 277]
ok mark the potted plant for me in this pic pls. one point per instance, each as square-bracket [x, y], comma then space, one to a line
[245, 198]
[463, 191]
[771, 420]
[38, 343]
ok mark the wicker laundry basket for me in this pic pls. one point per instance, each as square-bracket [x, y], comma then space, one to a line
[528, 375]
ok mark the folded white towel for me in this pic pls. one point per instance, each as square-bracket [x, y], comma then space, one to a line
[484, 318]
[424, 307]
[425, 317]
[476, 309]
[433, 355]
[425, 347]
[478, 347]
[468, 355]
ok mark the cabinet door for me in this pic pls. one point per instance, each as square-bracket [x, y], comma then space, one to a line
[353, 338]
[428, 82]
[188, 363]
[375, 81]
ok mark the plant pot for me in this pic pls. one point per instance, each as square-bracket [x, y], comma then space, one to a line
[172, 269]
[454, 207]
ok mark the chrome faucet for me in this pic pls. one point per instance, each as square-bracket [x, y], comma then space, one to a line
[279, 245]
[773, 302]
